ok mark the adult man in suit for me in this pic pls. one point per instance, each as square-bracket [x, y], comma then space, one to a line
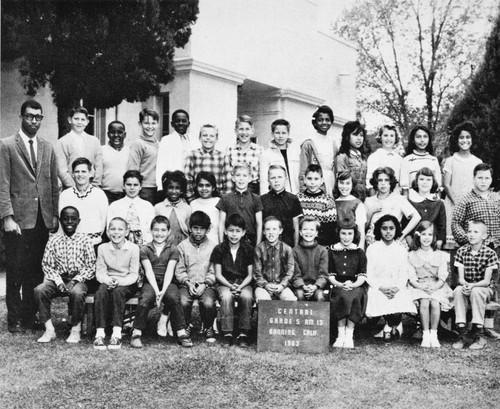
[29, 196]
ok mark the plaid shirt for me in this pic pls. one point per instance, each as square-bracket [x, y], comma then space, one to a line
[70, 258]
[235, 155]
[475, 265]
[200, 160]
[273, 264]
[473, 206]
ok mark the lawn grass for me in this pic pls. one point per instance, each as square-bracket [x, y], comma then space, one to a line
[164, 375]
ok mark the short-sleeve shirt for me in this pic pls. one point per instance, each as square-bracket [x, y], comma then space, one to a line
[159, 263]
[246, 204]
[285, 206]
[475, 265]
[233, 270]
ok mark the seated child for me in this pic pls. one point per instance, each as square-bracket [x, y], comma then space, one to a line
[387, 277]
[273, 265]
[175, 207]
[137, 212]
[475, 263]
[233, 264]
[195, 274]
[282, 204]
[158, 258]
[311, 263]
[347, 275]
[318, 204]
[428, 274]
[68, 263]
[117, 271]
[243, 202]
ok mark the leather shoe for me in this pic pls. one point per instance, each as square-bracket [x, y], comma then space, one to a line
[16, 328]
[395, 335]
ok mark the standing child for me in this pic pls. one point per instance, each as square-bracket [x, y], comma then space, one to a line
[77, 144]
[321, 149]
[426, 201]
[117, 271]
[347, 267]
[317, 204]
[174, 207]
[419, 154]
[195, 274]
[233, 264]
[242, 201]
[428, 274]
[283, 205]
[387, 277]
[245, 151]
[352, 156]
[311, 263]
[348, 206]
[159, 258]
[274, 265]
[458, 171]
[206, 199]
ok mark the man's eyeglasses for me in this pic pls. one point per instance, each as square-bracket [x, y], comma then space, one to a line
[30, 117]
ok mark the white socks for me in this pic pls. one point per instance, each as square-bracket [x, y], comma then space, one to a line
[74, 336]
[117, 332]
[430, 339]
[161, 328]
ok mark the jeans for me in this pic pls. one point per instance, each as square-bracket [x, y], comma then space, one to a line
[245, 303]
[147, 301]
[172, 300]
[112, 301]
[208, 311]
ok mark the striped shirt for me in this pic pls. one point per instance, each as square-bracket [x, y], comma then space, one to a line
[322, 207]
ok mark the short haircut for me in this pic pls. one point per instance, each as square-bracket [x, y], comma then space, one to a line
[116, 123]
[455, 134]
[272, 219]
[310, 219]
[118, 219]
[210, 178]
[160, 220]
[148, 112]
[344, 175]
[68, 208]
[175, 176]
[425, 172]
[200, 219]
[81, 161]
[279, 122]
[377, 231]
[209, 126]
[30, 103]
[386, 170]
[422, 226]
[242, 165]
[79, 110]
[352, 127]
[235, 220]
[179, 111]
[276, 166]
[479, 222]
[313, 168]
[411, 140]
[392, 128]
[243, 118]
[324, 109]
[132, 174]
[482, 167]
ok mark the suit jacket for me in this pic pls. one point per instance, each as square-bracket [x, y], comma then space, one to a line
[21, 188]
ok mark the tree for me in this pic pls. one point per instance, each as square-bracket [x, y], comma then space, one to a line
[414, 55]
[480, 104]
[101, 52]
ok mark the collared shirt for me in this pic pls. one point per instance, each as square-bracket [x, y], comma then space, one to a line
[246, 204]
[430, 208]
[26, 139]
[273, 264]
[235, 154]
[475, 265]
[381, 158]
[194, 262]
[182, 213]
[159, 262]
[311, 264]
[474, 206]
[70, 258]
[346, 263]
[285, 206]
[173, 150]
[200, 160]
[233, 270]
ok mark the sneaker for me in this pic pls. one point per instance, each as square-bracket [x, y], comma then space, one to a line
[479, 343]
[74, 337]
[227, 341]
[210, 335]
[135, 341]
[99, 343]
[426, 339]
[348, 343]
[459, 344]
[243, 341]
[189, 330]
[339, 342]
[185, 341]
[115, 343]
[48, 336]
[387, 336]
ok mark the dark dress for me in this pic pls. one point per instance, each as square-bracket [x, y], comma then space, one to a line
[347, 264]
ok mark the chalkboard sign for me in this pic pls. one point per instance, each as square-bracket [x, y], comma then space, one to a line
[293, 326]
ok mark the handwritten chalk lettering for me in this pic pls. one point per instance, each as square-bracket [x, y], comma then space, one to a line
[294, 311]
[280, 320]
[308, 322]
[310, 332]
[278, 331]
[292, 343]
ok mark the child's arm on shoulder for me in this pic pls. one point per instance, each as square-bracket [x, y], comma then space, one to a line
[258, 230]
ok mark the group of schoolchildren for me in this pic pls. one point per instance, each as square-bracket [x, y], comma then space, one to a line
[176, 241]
